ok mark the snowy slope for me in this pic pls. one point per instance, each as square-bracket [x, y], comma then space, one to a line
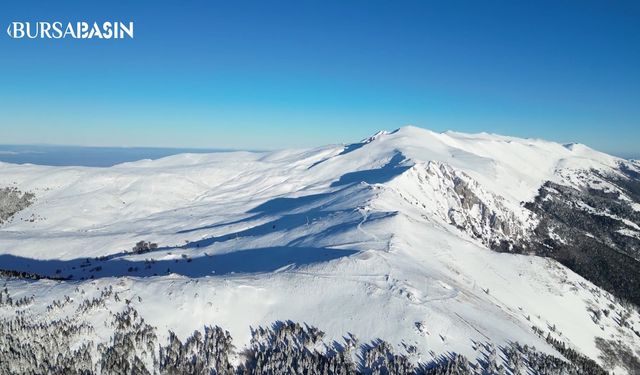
[387, 238]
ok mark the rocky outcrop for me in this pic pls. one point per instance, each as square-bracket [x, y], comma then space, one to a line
[457, 199]
[13, 201]
[588, 219]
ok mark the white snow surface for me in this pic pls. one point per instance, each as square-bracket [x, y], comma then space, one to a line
[351, 239]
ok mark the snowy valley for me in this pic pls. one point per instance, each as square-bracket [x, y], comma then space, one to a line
[410, 251]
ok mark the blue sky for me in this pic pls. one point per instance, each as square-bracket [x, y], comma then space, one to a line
[274, 74]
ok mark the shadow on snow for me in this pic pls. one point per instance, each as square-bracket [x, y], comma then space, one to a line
[311, 204]
[259, 260]
[375, 176]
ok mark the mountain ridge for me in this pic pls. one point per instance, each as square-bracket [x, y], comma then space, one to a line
[374, 238]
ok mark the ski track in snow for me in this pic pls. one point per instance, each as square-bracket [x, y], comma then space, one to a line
[365, 216]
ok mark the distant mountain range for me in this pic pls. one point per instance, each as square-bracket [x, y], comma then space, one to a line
[87, 156]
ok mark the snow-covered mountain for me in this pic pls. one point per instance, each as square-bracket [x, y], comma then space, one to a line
[444, 245]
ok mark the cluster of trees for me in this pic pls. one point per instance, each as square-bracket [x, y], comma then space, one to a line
[90, 304]
[290, 348]
[614, 353]
[5, 297]
[12, 201]
[131, 349]
[380, 358]
[59, 304]
[520, 357]
[581, 363]
[7, 300]
[592, 244]
[201, 353]
[11, 274]
[578, 363]
[31, 345]
[34, 344]
[144, 246]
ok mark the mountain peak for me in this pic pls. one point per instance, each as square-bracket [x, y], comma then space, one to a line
[375, 136]
[396, 228]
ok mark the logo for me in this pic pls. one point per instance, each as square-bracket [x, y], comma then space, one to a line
[70, 30]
